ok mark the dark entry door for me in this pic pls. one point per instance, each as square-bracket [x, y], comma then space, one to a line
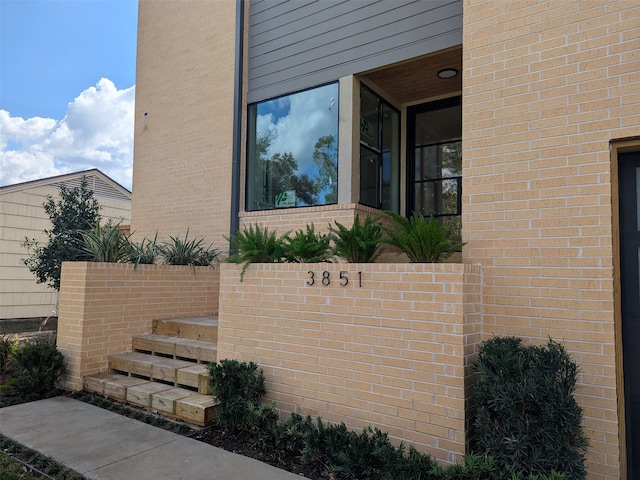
[629, 189]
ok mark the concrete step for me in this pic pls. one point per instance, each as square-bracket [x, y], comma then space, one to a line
[179, 373]
[195, 328]
[175, 402]
[177, 348]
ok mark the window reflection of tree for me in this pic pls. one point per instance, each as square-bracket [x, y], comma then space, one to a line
[279, 173]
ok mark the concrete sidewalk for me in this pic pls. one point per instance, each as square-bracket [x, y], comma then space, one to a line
[103, 445]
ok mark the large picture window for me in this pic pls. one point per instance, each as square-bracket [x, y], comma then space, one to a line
[292, 150]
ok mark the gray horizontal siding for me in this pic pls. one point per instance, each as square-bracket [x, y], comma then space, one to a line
[297, 44]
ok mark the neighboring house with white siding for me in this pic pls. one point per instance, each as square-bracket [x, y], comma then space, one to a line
[22, 216]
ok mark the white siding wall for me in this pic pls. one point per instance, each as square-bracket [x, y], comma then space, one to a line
[22, 215]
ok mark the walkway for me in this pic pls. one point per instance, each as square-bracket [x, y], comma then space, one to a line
[103, 445]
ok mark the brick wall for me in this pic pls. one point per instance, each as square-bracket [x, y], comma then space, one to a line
[293, 219]
[183, 119]
[103, 304]
[394, 353]
[546, 87]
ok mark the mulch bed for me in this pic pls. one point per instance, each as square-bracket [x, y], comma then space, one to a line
[239, 442]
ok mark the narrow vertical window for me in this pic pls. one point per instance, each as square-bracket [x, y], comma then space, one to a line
[379, 152]
[434, 157]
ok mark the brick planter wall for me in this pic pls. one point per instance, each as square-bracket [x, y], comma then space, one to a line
[394, 351]
[103, 304]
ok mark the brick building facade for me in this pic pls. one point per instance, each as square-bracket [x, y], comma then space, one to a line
[517, 123]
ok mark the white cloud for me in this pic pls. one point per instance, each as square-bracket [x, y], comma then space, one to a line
[97, 132]
[311, 115]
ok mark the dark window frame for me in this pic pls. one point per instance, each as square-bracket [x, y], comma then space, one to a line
[412, 112]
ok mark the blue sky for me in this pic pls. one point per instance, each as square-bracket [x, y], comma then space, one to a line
[67, 87]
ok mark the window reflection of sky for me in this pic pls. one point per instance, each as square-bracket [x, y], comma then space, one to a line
[275, 109]
[297, 121]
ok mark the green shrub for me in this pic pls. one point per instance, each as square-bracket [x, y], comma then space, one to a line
[146, 252]
[262, 422]
[345, 454]
[235, 385]
[38, 368]
[8, 347]
[307, 246]
[526, 416]
[360, 243]
[371, 454]
[484, 467]
[254, 244]
[105, 243]
[178, 251]
[421, 241]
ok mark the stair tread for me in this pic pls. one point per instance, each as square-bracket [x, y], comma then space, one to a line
[203, 320]
[152, 359]
[178, 340]
[173, 401]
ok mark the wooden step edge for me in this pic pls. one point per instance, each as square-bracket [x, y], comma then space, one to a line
[178, 373]
[196, 351]
[173, 402]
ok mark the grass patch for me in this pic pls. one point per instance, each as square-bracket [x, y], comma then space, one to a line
[20, 462]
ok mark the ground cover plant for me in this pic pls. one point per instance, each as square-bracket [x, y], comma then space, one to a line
[18, 462]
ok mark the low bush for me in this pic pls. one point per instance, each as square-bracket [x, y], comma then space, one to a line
[8, 347]
[38, 368]
[526, 416]
[237, 386]
[346, 454]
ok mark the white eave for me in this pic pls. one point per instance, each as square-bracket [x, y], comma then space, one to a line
[101, 185]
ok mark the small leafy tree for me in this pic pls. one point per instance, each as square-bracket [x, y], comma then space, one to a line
[75, 212]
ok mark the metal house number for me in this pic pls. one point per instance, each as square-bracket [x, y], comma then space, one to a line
[325, 279]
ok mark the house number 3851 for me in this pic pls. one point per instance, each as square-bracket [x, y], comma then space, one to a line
[325, 278]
